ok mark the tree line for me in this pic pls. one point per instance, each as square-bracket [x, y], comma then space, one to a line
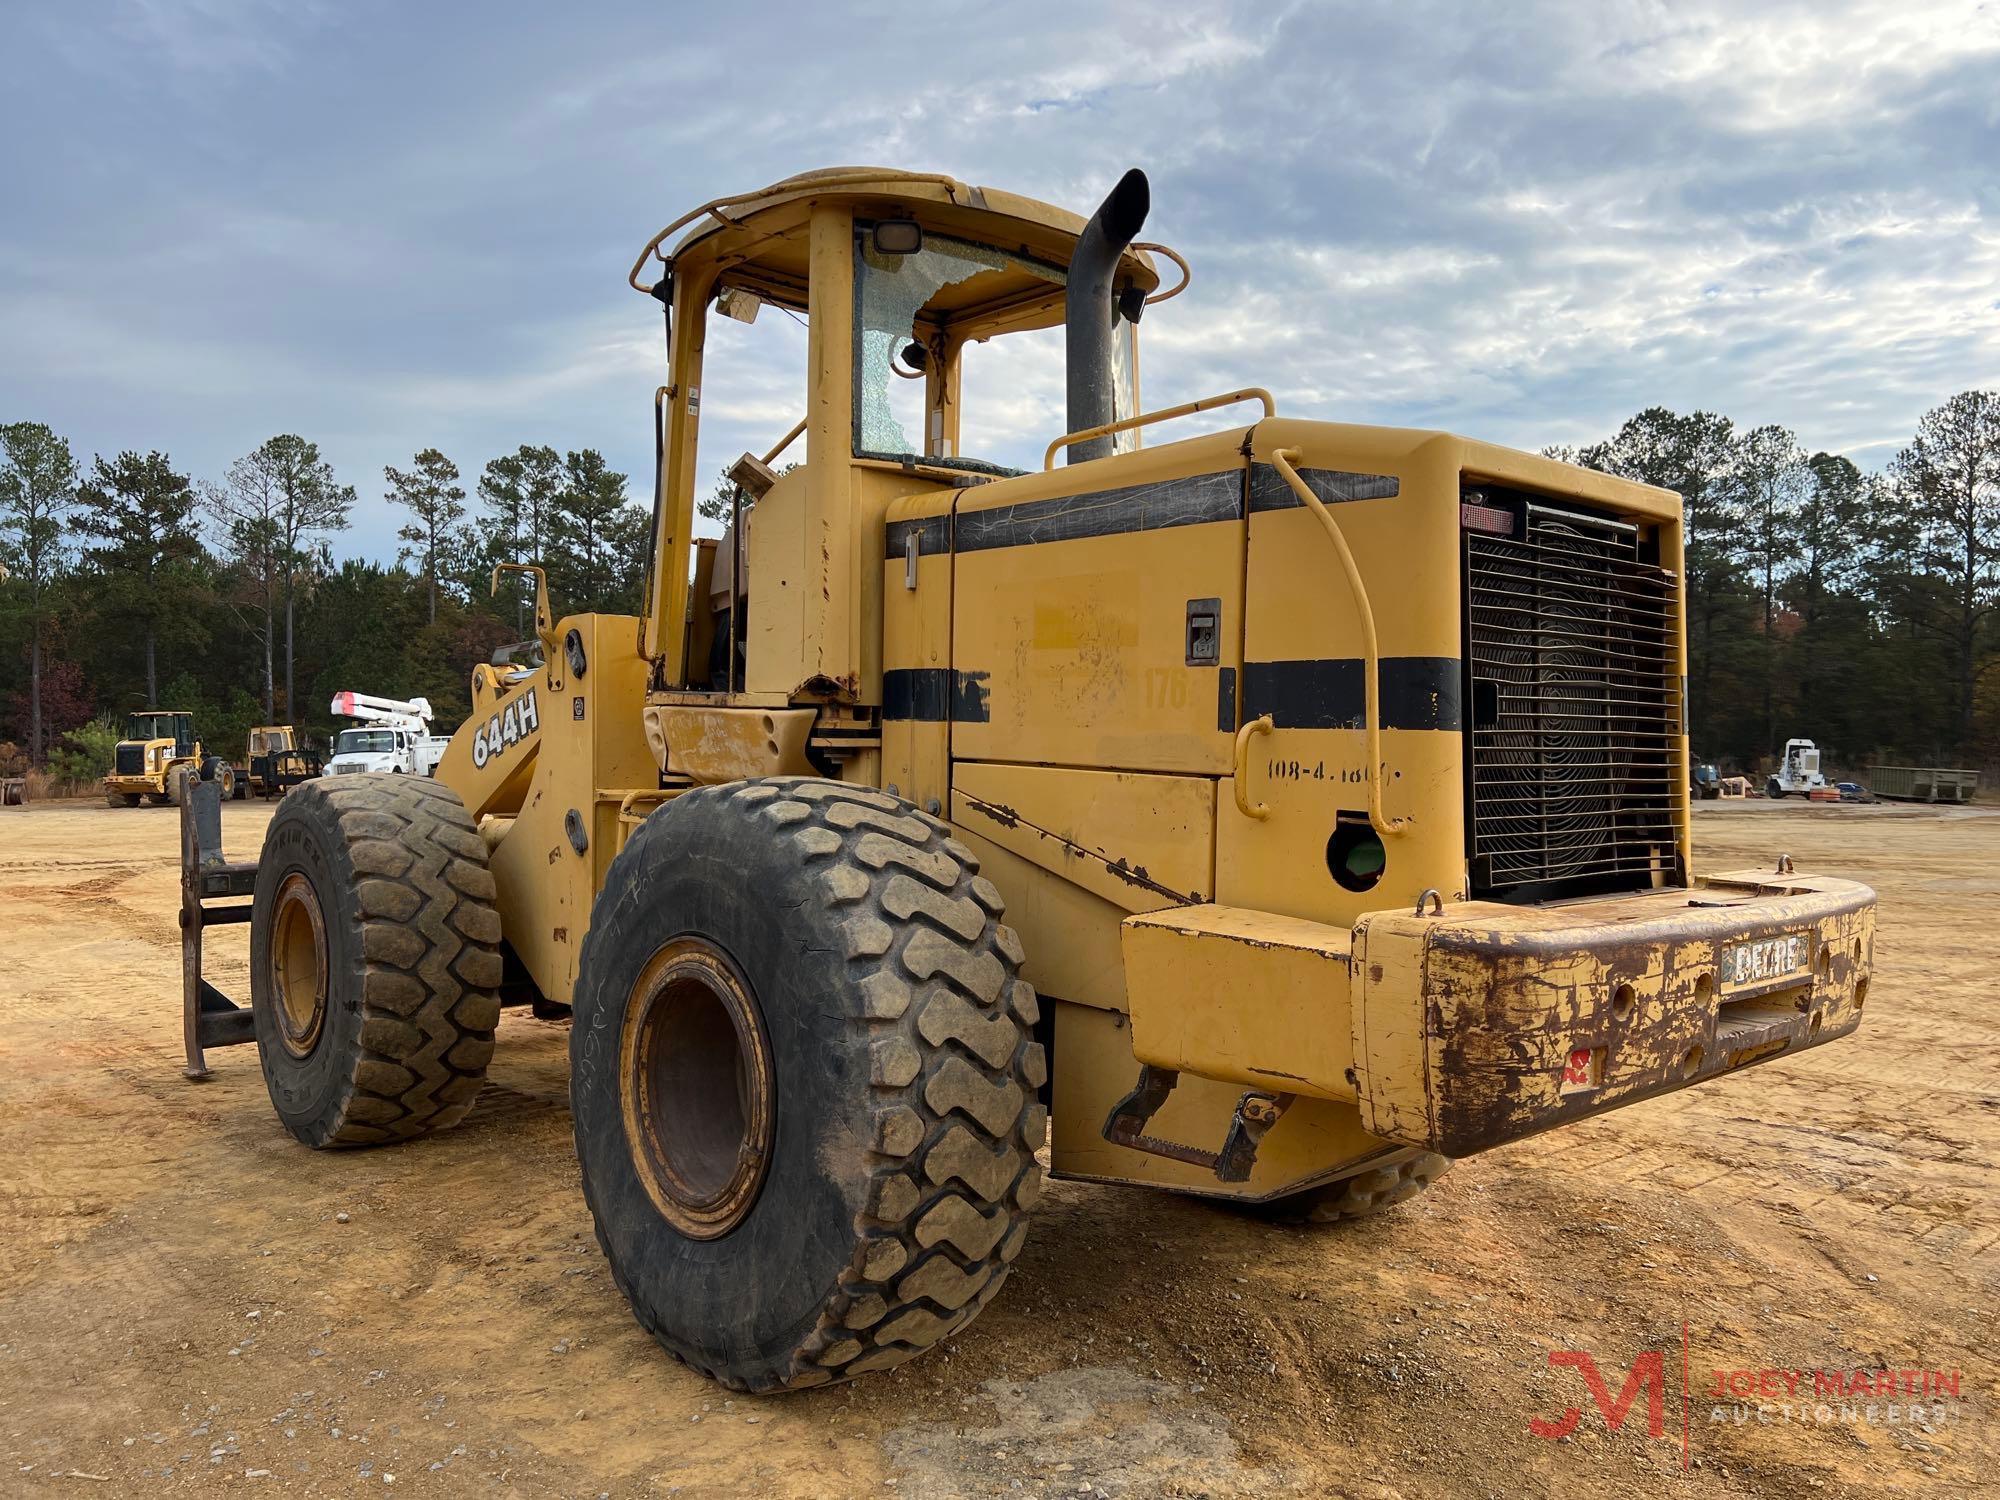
[129, 583]
[1856, 609]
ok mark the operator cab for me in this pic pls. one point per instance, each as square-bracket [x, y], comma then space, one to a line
[162, 724]
[895, 277]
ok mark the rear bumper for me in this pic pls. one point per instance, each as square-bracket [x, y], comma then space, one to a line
[1460, 1029]
[1488, 1023]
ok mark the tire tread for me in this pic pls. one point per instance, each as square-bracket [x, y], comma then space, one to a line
[430, 935]
[946, 1023]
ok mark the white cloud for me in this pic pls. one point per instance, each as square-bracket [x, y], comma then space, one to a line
[389, 227]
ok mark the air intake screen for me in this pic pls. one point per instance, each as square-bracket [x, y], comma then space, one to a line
[1575, 708]
[131, 760]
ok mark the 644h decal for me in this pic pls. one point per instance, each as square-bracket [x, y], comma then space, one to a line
[506, 729]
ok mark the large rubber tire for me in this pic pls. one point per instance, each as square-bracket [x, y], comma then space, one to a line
[1366, 1192]
[122, 799]
[408, 954]
[901, 1168]
[1773, 790]
[177, 784]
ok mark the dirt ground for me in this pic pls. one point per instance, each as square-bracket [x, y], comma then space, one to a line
[189, 1299]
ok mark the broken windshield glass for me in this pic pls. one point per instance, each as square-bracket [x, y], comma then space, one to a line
[890, 292]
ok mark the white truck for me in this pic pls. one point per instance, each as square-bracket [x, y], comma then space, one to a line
[397, 738]
[1798, 773]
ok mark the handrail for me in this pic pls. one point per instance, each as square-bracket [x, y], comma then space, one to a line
[1282, 460]
[783, 443]
[647, 794]
[545, 625]
[1241, 769]
[811, 184]
[1187, 271]
[1146, 419]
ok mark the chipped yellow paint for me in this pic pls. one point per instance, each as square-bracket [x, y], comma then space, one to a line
[710, 745]
[1076, 955]
[1140, 841]
[1466, 1024]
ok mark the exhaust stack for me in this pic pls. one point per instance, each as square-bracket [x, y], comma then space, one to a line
[1090, 312]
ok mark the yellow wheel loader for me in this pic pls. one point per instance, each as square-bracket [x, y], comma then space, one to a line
[1270, 814]
[159, 758]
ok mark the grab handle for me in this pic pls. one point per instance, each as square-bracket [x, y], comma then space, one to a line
[1384, 825]
[1258, 810]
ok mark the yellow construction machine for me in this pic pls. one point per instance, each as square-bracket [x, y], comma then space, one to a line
[1332, 781]
[158, 758]
[275, 761]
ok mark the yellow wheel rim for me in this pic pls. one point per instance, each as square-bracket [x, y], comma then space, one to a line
[298, 965]
[695, 1088]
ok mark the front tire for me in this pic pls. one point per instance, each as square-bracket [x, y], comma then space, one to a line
[803, 1080]
[374, 961]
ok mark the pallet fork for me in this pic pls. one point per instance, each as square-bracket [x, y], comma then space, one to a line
[209, 1018]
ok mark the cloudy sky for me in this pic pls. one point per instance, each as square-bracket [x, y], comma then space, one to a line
[385, 225]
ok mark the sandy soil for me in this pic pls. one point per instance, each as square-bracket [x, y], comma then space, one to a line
[188, 1299]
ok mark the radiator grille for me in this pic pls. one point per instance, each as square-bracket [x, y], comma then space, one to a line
[131, 760]
[1575, 707]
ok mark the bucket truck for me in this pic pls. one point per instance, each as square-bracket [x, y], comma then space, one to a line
[397, 738]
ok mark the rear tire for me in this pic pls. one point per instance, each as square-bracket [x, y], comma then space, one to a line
[122, 799]
[374, 961]
[1366, 1192]
[878, 1081]
[1773, 790]
[177, 784]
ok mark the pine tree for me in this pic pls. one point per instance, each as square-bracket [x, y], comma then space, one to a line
[1948, 480]
[37, 490]
[599, 537]
[519, 492]
[1771, 479]
[143, 516]
[280, 501]
[436, 502]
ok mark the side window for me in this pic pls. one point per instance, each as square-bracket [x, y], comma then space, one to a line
[1012, 400]
[753, 388]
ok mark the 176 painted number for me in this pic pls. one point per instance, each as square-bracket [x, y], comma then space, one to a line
[1166, 688]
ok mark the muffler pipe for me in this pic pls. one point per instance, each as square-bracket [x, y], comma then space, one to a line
[1090, 310]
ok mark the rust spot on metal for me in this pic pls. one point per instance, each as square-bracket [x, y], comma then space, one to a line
[561, 934]
[1135, 876]
[999, 812]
